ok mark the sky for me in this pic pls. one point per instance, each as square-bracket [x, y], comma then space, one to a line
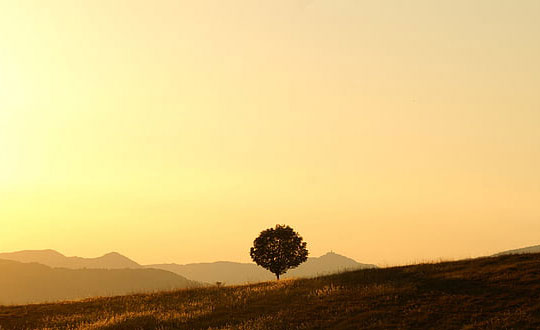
[391, 131]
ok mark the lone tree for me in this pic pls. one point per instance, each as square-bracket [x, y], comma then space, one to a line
[279, 249]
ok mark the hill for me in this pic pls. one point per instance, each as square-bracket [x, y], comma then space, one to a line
[530, 249]
[53, 258]
[242, 273]
[486, 293]
[31, 282]
[327, 264]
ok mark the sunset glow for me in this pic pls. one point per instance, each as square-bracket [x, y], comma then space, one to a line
[175, 131]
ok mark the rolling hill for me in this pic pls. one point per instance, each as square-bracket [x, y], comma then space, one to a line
[22, 283]
[53, 258]
[486, 293]
[240, 273]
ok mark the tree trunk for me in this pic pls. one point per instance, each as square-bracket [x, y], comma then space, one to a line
[277, 276]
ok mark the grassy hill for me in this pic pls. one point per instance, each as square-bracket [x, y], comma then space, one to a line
[495, 292]
[529, 249]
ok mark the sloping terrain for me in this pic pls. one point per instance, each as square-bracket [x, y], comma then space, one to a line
[31, 282]
[529, 249]
[486, 293]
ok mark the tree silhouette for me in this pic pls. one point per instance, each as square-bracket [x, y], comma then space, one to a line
[279, 249]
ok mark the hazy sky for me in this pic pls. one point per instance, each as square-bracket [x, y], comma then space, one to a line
[175, 131]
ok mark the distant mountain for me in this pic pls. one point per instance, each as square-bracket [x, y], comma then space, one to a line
[55, 259]
[326, 264]
[239, 273]
[223, 271]
[22, 283]
[530, 249]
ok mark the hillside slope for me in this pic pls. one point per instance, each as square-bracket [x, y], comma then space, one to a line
[53, 258]
[31, 282]
[529, 249]
[242, 273]
[485, 293]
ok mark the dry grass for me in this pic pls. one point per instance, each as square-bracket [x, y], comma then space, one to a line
[502, 292]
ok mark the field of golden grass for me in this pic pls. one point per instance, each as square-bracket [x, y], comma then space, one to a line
[485, 293]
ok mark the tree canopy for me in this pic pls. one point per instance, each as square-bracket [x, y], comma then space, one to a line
[279, 249]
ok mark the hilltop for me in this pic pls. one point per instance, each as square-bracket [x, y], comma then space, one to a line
[55, 259]
[484, 293]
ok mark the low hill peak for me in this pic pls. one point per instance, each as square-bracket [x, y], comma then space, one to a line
[49, 252]
[114, 255]
[332, 254]
[28, 256]
[52, 258]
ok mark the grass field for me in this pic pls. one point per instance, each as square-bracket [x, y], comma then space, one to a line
[498, 292]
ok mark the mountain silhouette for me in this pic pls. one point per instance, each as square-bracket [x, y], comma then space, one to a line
[22, 283]
[240, 273]
[329, 263]
[222, 271]
[55, 259]
[529, 249]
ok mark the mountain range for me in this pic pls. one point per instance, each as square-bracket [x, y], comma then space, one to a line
[240, 273]
[221, 271]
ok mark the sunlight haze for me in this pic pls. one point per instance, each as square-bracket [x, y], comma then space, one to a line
[175, 131]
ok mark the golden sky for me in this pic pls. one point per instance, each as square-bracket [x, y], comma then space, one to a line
[175, 131]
